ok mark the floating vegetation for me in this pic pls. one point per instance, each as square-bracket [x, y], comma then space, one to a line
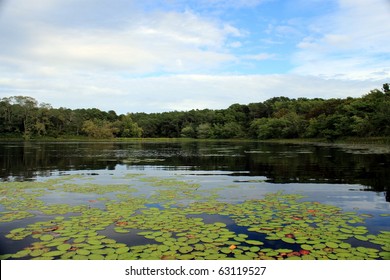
[142, 160]
[129, 226]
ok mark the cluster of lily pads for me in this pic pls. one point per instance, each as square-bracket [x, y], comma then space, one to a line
[171, 223]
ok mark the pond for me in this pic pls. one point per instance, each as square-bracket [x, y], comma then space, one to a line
[193, 200]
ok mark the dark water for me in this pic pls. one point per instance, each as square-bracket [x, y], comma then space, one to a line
[278, 163]
[353, 179]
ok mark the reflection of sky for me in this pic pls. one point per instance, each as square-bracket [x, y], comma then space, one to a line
[229, 189]
[348, 197]
[240, 188]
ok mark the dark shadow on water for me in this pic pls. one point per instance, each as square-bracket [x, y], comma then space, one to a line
[232, 226]
[278, 163]
[9, 246]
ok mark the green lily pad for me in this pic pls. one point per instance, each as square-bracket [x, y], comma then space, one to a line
[254, 242]
[94, 242]
[294, 258]
[83, 252]
[163, 248]
[80, 257]
[278, 250]
[251, 254]
[226, 251]
[68, 255]
[361, 237]
[239, 239]
[64, 247]
[185, 257]
[345, 230]
[254, 249]
[362, 249]
[186, 249]
[206, 240]
[288, 240]
[221, 225]
[332, 244]
[385, 255]
[53, 254]
[323, 230]
[47, 237]
[160, 239]
[37, 252]
[17, 230]
[95, 257]
[22, 254]
[306, 247]
[345, 245]
[122, 250]
[79, 240]
[319, 246]
[112, 257]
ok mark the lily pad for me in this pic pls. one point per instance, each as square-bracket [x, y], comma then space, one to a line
[186, 249]
[361, 237]
[47, 237]
[53, 254]
[306, 247]
[122, 250]
[221, 225]
[288, 240]
[332, 245]
[64, 247]
[83, 252]
[95, 257]
[254, 249]
[254, 242]
[37, 252]
[80, 257]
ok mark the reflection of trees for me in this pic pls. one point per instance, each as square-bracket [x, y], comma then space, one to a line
[279, 163]
[24, 160]
[286, 163]
[322, 165]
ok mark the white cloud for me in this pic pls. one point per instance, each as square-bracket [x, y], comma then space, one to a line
[82, 54]
[145, 43]
[132, 51]
[177, 92]
[350, 44]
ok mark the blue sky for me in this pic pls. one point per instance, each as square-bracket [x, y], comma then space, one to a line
[164, 55]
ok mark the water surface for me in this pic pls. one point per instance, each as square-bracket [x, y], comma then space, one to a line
[173, 174]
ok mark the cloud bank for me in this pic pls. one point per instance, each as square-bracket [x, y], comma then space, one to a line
[159, 56]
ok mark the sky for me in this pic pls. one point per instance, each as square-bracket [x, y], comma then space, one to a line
[166, 55]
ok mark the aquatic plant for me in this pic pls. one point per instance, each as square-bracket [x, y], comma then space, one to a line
[278, 226]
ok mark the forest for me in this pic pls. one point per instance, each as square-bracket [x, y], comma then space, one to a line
[276, 118]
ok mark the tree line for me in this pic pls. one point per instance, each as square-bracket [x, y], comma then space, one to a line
[278, 117]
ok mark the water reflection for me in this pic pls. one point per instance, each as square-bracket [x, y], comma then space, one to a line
[278, 163]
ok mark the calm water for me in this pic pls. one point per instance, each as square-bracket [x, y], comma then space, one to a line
[353, 179]
[278, 163]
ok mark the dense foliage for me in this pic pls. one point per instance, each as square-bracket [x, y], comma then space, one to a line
[278, 117]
